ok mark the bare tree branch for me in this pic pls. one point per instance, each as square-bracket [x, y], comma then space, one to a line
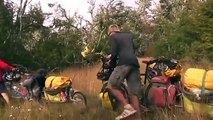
[18, 13]
[24, 8]
[92, 7]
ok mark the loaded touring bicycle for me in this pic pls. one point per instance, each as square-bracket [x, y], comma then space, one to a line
[161, 83]
[56, 88]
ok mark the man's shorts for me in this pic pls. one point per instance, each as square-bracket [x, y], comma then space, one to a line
[132, 76]
[3, 88]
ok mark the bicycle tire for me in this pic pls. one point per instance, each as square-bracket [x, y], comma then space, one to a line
[180, 103]
[146, 101]
[78, 97]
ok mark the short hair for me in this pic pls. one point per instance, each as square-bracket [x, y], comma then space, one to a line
[113, 28]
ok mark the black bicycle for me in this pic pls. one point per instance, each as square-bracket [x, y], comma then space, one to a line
[153, 78]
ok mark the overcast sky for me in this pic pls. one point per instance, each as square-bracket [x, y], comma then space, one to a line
[71, 6]
[78, 5]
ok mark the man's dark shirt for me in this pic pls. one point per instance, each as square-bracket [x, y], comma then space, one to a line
[122, 49]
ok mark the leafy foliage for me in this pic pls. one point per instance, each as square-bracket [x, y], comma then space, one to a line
[190, 34]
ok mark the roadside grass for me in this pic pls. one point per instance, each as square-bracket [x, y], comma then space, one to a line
[66, 111]
[84, 79]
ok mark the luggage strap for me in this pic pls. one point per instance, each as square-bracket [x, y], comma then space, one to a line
[50, 86]
[203, 83]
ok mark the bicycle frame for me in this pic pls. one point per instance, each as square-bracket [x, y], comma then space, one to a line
[146, 73]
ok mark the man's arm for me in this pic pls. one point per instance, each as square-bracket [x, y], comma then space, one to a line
[133, 44]
[134, 47]
[5, 66]
[114, 51]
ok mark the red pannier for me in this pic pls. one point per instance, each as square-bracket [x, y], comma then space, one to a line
[162, 92]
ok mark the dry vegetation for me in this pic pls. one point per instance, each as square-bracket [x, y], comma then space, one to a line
[84, 79]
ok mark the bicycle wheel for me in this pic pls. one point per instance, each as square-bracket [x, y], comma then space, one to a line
[179, 96]
[146, 100]
[179, 100]
[16, 93]
[79, 98]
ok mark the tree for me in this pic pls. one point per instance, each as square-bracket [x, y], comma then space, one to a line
[129, 19]
[189, 34]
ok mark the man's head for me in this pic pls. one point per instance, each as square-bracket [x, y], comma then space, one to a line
[113, 28]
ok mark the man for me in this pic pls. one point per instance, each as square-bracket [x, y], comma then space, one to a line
[3, 90]
[127, 67]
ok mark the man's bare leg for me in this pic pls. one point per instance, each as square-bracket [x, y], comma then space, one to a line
[119, 95]
[126, 105]
[136, 104]
[6, 98]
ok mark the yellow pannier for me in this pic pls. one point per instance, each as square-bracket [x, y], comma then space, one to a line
[105, 100]
[55, 82]
[197, 107]
[52, 98]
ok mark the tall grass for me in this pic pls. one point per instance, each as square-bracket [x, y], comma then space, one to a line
[66, 111]
[84, 79]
